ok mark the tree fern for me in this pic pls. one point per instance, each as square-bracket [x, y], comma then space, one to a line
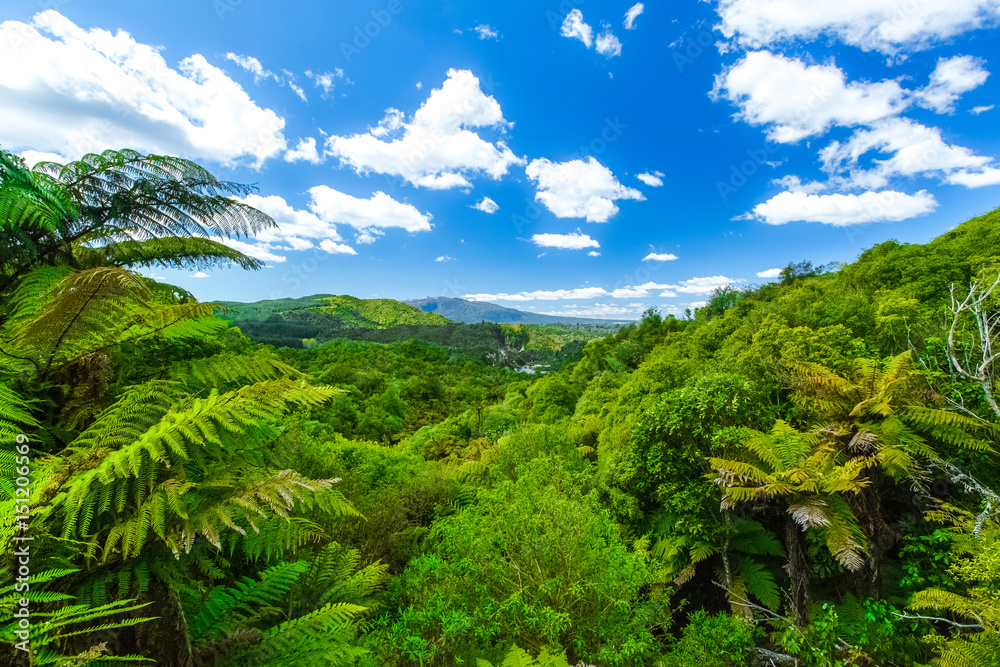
[324, 638]
[225, 606]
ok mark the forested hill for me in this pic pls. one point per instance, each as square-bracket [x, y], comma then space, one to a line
[365, 313]
[307, 321]
[462, 310]
[803, 473]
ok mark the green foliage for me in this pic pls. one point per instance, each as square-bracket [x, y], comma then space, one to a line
[973, 612]
[518, 657]
[52, 619]
[378, 313]
[713, 641]
[536, 562]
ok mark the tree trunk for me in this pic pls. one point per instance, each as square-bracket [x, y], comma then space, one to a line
[798, 572]
[166, 638]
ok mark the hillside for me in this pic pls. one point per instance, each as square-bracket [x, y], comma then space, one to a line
[462, 310]
[366, 313]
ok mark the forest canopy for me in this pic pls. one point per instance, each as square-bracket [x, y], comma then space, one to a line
[802, 472]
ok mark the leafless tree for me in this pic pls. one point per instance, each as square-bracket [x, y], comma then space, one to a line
[978, 362]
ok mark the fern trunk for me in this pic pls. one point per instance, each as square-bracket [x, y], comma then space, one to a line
[880, 535]
[165, 639]
[798, 571]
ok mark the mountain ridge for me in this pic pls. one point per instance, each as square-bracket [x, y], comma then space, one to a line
[472, 312]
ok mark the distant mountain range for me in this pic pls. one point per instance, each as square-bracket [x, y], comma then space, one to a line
[472, 312]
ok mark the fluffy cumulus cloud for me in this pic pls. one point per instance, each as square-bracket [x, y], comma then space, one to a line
[573, 241]
[574, 27]
[578, 188]
[950, 79]
[435, 148]
[90, 90]
[659, 257]
[305, 150]
[913, 150]
[841, 210]
[297, 230]
[378, 212]
[888, 26]
[653, 180]
[316, 227]
[486, 205]
[796, 100]
[769, 273]
[632, 14]
[607, 43]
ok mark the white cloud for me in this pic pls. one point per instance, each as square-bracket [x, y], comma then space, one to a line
[578, 189]
[380, 211]
[90, 90]
[632, 14]
[705, 285]
[975, 111]
[630, 312]
[607, 43]
[697, 304]
[257, 250]
[31, 158]
[486, 32]
[769, 273]
[390, 124]
[435, 149]
[305, 150]
[542, 295]
[574, 27]
[950, 79]
[252, 65]
[327, 81]
[445, 258]
[295, 227]
[367, 236]
[573, 241]
[653, 180]
[841, 210]
[642, 291]
[880, 25]
[419, 85]
[626, 292]
[486, 205]
[976, 179]
[594, 253]
[298, 91]
[337, 248]
[659, 257]
[914, 148]
[200, 274]
[797, 100]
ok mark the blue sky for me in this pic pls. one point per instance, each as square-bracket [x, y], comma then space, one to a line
[589, 158]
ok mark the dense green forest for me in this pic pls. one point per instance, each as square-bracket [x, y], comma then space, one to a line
[303, 323]
[801, 473]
